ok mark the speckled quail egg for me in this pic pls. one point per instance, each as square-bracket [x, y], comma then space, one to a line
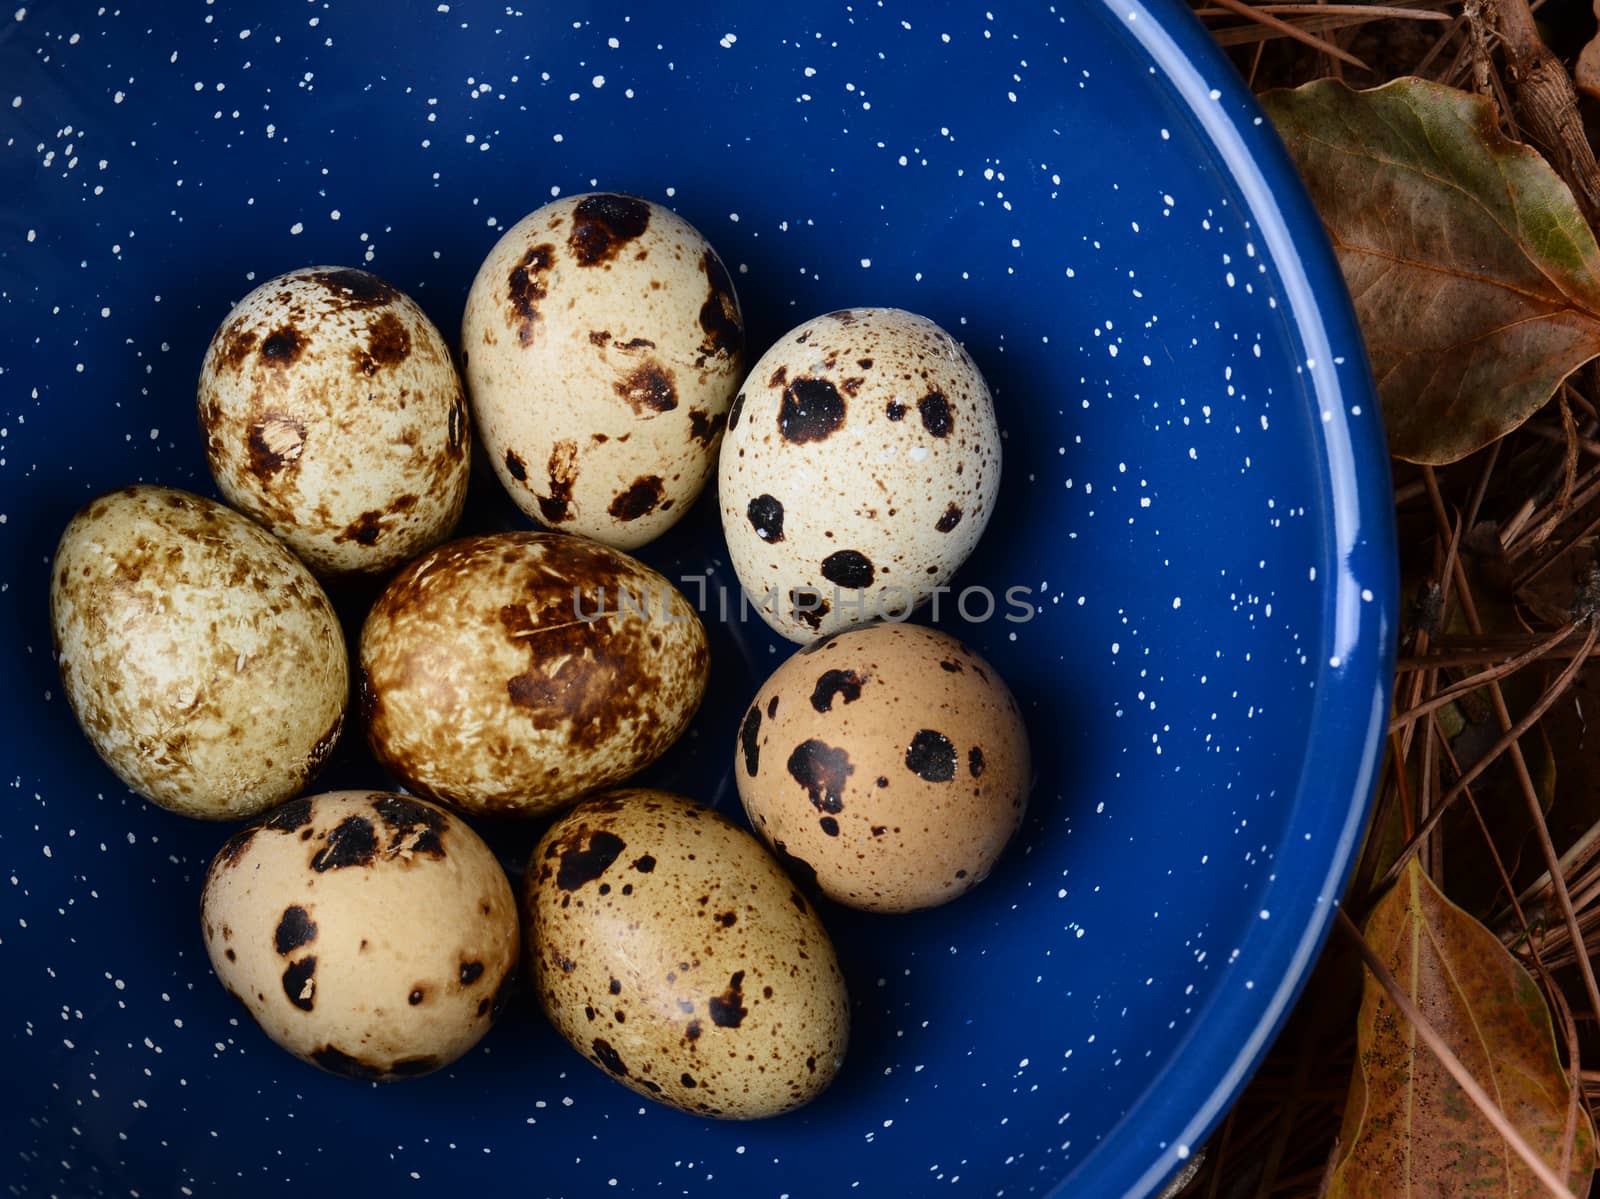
[199, 655]
[890, 762]
[674, 953]
[602, 344]
[333, 415]
[513, 672]
[369, 934]
[859, 468]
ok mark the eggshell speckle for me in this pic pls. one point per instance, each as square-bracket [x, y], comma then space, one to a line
[367, 933]
[602, 344]
[890, 761]
[333, 415]
[671, 951]
[513, 672]
[859, 469]
[199, 655]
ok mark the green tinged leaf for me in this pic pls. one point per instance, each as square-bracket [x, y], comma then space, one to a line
[1475, 277]
[1409, 1130]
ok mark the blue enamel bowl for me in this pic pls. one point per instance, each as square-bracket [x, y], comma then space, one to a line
[1195, 505]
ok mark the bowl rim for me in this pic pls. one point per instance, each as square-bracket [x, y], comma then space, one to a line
[1171, 1118]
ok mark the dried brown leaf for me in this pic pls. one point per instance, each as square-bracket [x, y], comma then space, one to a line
[1475, 277]
[1409, 1129]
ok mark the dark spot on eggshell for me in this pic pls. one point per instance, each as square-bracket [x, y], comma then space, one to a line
[750, 740]
[515, 467]
[772, 706]
[457, 430]
[931, 757]
[895, 410]
[728, 1010]
[648, 387]
[288, 817]
[388, 341]
[563, 472]
[735, 411]
[614, 987]
[704, 428]
[355, 288]
[470, 973]
[864, 363]
[727, 919]
[848, 568]
[693, 1031]
[811, 410]
[641, 499]
[236, 345]
[295, 928]
[582, 863]
[765, 514]
[599, 337]
[299, 982]
[719, 315]
[274, 442]
[808, 607]
[603, 223]
[821, 769]
[634, 343]
[352, 842]
[844, 684]
[418, 994]
[526, 288]
[687, 1080]
[609, 1057]
[950, 667]
[283, 347]
[413, 827]
[936, 415]
[950, 519]
[336, 1061]
[410, 1067]
[975, 761]
[829, 826]
[232, 957]
[644, 864]
[364, 530]
[878, 830]
[234, 847]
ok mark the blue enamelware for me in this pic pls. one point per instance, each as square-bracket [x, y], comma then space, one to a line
[1195, 498]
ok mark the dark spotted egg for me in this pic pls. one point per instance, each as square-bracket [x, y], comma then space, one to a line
[602, 344]
[859, 468]
[370, 934]
[333, 415]
[513, 672]
[674, 953]
[201, 657]
[891, 762]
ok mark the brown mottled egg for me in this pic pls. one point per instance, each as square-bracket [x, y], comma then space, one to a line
[513, 672]
[676, 955]
[859, 468]
[891, 761]
[199, 655]
[333, 415]
[369, 934]
[602, 343]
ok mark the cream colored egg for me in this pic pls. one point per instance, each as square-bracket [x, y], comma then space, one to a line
[513, 672]
[675, 954]
[859, 469]
[602, 344]
[891, 762]
[367, 933]
[199, 655]
[333, 415]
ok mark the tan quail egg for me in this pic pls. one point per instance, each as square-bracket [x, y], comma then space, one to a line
[602, 344]
[891, 762]
[200, 656]
[675, 954]
[367, 933]
[858, 471]
[333, 415]
[513, 672]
